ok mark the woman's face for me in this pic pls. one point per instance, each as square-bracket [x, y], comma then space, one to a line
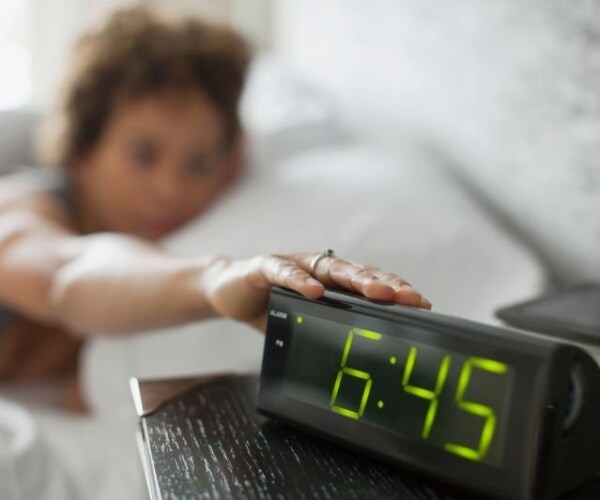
[159, 163]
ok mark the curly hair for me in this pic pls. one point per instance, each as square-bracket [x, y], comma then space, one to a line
[136, 53]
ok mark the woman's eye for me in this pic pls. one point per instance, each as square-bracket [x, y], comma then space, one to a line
[199, 166]
[144, 155]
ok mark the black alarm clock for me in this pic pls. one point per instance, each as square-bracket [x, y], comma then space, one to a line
[497, 411]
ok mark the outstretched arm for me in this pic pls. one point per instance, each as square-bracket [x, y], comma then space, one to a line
[111, 283]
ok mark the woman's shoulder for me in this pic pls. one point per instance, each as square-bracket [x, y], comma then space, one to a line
[43, 190]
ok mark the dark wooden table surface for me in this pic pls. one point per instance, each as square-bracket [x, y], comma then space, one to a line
[209, 442]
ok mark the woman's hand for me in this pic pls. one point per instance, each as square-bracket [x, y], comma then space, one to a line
[239, 289]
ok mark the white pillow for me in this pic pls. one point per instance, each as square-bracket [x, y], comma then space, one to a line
[399, 213]
[283, 114]
[26, 467]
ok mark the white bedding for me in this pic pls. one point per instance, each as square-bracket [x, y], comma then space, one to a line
[48, 454]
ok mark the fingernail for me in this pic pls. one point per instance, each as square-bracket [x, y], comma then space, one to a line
[425, 303]
[312, 281]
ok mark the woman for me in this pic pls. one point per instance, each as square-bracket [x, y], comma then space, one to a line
[145, 137]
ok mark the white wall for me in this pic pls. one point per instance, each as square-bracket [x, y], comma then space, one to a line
[15, 35]
[508, 90]
[56, 24]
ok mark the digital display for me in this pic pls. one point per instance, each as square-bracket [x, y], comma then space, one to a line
[447, 399]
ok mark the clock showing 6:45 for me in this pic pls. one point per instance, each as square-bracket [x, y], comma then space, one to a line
[441, 397]
[497, 411]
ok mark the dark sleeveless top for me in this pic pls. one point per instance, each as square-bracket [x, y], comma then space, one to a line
[56, 183]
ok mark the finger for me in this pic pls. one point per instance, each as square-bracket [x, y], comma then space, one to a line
[364, 282]
[339, 273]
[323, 272]
[343, 269]
[385, 278]
[384, 275]
[275, 270]
[364, 279]
[404, 293]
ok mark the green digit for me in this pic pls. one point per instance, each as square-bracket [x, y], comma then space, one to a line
[489, 427]
[344, 370]
[420, 392]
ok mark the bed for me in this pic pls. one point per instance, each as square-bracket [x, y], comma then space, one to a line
[311, 183]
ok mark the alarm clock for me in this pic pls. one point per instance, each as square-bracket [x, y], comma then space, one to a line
[497, 411]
